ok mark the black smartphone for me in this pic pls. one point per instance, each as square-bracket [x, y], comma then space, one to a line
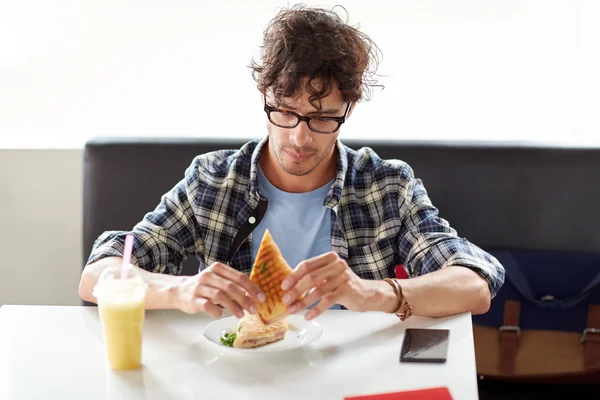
[425, 345]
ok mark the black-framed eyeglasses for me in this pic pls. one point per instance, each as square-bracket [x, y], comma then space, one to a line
[290, 119]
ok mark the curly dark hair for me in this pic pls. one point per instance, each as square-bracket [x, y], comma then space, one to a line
[316, 44]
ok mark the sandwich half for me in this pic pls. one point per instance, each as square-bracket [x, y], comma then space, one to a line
[252, 332]
[268, 271]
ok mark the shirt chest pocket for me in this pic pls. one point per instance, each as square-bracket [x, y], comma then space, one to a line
[373, 261]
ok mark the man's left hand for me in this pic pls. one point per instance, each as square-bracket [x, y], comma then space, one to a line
[329, 278]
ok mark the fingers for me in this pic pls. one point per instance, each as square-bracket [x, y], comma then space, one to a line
[318, 292]
[314, 279]
[240, 279]
[325, 304]
[226, 291]
[202, 304]
[199, 304]
[220, 297]
[220, 285]
[308, 266]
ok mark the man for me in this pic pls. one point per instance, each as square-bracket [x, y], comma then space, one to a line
[343, 218]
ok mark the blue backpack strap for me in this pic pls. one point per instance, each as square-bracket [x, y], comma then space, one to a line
[519, 281]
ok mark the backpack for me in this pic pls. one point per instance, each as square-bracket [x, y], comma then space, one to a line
[543, 325]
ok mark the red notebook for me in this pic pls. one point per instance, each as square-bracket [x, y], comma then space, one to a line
[438, 393]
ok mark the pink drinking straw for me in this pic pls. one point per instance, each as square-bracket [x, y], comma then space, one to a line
[127, 255]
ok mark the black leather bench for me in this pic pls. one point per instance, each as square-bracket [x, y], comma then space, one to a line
[495, 194]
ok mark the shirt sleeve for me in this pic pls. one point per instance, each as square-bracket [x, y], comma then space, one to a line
[165, 236]
[428, 243]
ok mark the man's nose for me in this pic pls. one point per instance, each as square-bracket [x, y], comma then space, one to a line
[301, 135]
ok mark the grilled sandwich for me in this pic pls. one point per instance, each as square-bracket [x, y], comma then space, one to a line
[268, 271]
[252, 332]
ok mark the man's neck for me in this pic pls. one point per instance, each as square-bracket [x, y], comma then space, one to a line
[282, 180]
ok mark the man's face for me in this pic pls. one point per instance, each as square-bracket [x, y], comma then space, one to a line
[299, 151]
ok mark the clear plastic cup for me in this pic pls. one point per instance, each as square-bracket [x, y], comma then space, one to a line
[122, 312]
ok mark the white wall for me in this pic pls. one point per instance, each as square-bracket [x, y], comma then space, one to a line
[72, 69]
[516, 69]
[40, 226]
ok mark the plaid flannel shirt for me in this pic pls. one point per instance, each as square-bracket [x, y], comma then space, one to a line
[381, 217]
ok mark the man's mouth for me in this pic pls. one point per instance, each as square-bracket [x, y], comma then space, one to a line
[298, 156]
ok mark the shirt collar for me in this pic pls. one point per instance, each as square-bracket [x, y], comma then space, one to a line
[254, 166]
[335, 193]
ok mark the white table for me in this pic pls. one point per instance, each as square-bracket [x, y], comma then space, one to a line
[58, 353]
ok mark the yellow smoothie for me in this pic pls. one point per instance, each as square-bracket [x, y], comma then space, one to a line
[122, 311]
[123, 327]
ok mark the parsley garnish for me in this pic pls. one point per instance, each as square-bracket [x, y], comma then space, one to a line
[263, 269]
[228, 338]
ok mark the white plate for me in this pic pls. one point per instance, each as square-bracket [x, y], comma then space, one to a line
[301, 332]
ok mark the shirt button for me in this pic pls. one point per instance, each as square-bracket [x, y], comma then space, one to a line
[252, 220]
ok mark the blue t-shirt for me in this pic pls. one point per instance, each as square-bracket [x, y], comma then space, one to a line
[299, 222]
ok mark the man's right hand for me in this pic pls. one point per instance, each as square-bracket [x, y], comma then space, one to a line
[218, 285]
